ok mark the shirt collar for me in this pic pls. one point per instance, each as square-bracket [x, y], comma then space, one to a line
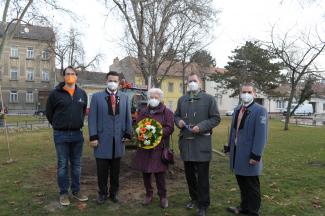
[111, 92]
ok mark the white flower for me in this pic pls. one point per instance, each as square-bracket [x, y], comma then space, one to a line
[146, 142]
[148, 127]
[137, 130]
[145, 136]
[154, 130]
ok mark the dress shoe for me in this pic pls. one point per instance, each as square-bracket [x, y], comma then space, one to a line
[191, 204]
[237, 210]
[113, 198]
[163, 202]
[147, 200]
[202, 212]
[101, 199]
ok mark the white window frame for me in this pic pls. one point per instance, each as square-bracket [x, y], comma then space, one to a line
[45, 75]
[171, 105]
[280, 104]
[170, 87]
[14, 70]
[30, 53]
[28, 72]
[45, 54]
[29, 97]
[14, 52]
[180, 87]
[13, 98]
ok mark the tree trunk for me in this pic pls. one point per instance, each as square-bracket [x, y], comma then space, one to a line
[287, 117]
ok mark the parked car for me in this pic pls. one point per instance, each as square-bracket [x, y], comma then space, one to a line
[229, 113]
[40, 112]
[303, 109]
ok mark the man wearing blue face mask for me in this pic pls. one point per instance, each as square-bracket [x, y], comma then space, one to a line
[109, 122]
[196, 115]
[247, 139]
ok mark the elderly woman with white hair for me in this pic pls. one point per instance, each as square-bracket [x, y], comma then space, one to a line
[149, 160]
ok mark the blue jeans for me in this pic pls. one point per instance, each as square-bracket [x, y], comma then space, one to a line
[68, 145]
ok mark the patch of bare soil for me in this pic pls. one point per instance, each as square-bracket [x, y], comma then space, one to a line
[131, 183]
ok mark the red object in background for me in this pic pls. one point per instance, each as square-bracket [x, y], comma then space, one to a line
[125, 84]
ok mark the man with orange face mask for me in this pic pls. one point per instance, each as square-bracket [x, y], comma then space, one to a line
[65, 110]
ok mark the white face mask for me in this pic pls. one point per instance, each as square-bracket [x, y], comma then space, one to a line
[112, 86]
[193, 86]
[153, 102]
[247, 98]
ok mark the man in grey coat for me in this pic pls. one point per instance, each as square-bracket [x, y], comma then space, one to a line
[248, 137]
[109, 122]
[196, 115]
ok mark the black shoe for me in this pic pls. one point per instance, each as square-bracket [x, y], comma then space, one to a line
[101, 199]
[113, 198]
[191, 204]
[237, 210]
[202, 212]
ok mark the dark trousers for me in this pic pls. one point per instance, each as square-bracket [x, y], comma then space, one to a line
[197, 177]
[68, 145]
[250, 194]
[107, 167]
[160, 183]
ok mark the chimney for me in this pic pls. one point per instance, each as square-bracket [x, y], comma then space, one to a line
[116, 60]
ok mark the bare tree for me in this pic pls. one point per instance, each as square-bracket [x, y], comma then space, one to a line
[69, 50]
[298, 55]
[156, 26]
[15, 12]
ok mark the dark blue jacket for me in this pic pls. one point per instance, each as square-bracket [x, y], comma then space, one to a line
[65, 112]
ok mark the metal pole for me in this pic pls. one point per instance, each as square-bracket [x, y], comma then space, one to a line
[6, 128]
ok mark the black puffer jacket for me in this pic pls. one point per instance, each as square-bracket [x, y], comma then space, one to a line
[65, 112]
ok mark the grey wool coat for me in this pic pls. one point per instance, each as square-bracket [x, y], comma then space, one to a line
[202, 110]
[251, 140]
[104, 126]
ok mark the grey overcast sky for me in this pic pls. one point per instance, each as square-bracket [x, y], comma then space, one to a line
[238, 22]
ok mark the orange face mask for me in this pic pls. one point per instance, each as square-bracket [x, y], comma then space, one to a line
[70, 79]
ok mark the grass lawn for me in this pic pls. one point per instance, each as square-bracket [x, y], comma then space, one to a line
[292, 181]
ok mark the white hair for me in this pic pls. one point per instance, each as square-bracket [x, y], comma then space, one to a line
[156, 91]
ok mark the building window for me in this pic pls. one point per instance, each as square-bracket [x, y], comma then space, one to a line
[45, 54]
[14, 52]
[29, 97]
[170, 87]
[13, 74]
[13, 97]
[30, 52]
[218, 98]
[323, 106]
[171, 105]
[45, 75]
[30, 75]
[181, 88]
[279, 104]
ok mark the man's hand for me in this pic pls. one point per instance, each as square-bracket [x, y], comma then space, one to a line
[195, 129]
[181, 124]
[253, 162]
[93, 143]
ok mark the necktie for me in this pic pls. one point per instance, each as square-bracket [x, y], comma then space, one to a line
[113, 102]
[240, 116]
